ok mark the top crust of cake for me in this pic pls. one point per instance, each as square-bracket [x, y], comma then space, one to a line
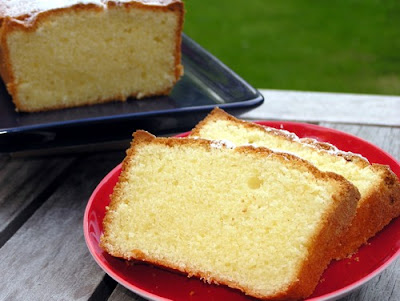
[25, 9]
[310, 143]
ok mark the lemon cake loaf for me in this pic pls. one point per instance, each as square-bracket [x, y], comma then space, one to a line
[255, 220]
[59, 54]
[378, 185]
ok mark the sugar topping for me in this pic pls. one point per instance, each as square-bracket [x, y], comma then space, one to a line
[222, 143]
[313, 143]
[23, 8]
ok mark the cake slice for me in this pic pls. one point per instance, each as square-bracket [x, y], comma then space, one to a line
[378, 185]
[59, 54]
[255, 220]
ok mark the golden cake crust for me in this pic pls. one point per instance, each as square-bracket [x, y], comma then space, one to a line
[219, 114]
[331, 225]
[375, 209]
[26, 16]
[26, 12]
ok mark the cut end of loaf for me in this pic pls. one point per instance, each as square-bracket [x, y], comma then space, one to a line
[378, 185]
[86, 54]
[249, 218]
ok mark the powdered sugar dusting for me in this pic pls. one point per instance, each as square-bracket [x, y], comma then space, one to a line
[222, 143]
[313, 143]
[18, 8]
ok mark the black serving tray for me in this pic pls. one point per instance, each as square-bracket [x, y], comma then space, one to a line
[207, 83]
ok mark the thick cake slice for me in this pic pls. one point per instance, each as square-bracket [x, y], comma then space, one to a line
[378, 185]
[250, 218]
[59, 54]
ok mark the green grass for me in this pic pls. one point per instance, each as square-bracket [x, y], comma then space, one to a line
[338, 46]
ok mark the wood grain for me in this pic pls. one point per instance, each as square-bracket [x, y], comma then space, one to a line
[122, 294]
[25, 183]
[327, 107]
[386, 138]
[47, 259]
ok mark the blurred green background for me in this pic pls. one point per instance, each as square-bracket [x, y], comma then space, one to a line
[337, 46]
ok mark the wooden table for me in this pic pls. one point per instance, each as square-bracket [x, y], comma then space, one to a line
[42, 201]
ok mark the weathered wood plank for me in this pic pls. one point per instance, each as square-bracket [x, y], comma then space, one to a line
[327, 107]
[387, 138]
[3, 159]
[47, 258]
[122, 294]
[386, 286]
[24, 184]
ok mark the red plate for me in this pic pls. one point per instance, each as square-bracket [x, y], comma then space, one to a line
[339, 279]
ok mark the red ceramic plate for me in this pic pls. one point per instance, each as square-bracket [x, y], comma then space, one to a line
[339, 279]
